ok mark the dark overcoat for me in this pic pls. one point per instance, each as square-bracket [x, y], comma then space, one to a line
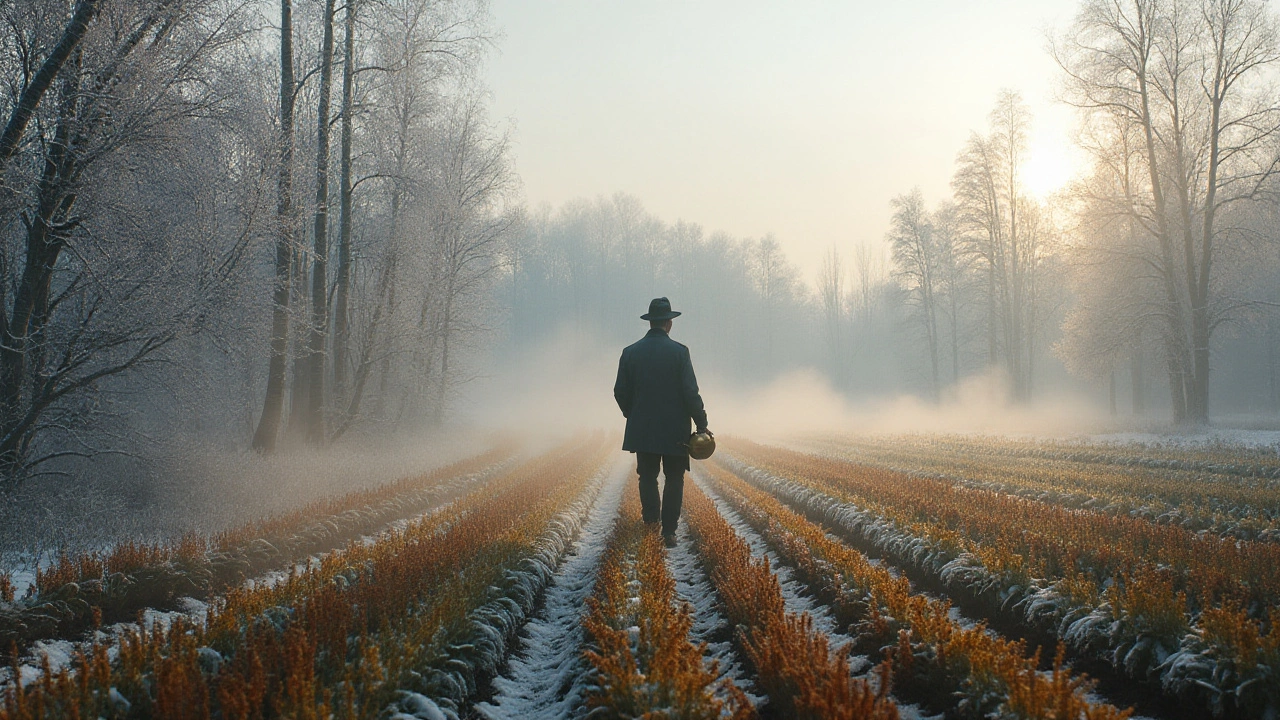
[658, 394]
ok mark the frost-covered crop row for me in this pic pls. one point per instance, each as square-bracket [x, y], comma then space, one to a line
[1026, 539]
[1227, 504]
[402, 625]
[1128, 613]
[1221, 456]
[794, 664]
[545, 678]
[644, 662]
[80, 592]
[1241, 459]
[965, 671]
[710, 626]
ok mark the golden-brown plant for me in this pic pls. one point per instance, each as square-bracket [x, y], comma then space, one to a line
[794, 664]
[645, 663]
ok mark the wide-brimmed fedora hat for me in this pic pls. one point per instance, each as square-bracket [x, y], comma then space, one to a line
[659, 309]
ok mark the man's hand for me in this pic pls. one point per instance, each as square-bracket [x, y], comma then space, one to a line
[707, 431]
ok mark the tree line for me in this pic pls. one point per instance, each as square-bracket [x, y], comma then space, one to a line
[272, 219]
[989, 280]
[592, 266]
[1162, 257]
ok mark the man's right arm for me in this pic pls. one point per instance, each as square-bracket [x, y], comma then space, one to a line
[622, 387]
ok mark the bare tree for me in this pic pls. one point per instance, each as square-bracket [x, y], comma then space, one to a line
[39, 82]
[422, 52]
[264, 438]
[868, 271]
[342, 279]
[775, 280]
[993, 211]
[831, 293]
[79, 311]
[954, 278]
[916, 262]
[473, 216]
[1010, 122]
[103, 270]
[1113, 289]
[1190, 77]
[319, 331]
[981, 204]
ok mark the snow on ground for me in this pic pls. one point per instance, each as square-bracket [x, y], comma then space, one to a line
[960, 618]
[22, 580]
[693, 586]
[60, 653]
[271, 578]
[543, 678]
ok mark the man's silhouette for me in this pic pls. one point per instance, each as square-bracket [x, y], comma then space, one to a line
[658, 394]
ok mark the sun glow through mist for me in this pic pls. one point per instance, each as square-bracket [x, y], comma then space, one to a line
[1051, 164]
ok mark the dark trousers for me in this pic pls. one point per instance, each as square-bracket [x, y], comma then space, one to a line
[668, 508]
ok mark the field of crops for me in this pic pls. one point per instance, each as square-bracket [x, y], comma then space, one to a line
[831, 578]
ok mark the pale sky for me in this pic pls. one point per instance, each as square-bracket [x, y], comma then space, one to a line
[801, 118]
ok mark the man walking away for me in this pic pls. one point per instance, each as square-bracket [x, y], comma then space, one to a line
[658, 394]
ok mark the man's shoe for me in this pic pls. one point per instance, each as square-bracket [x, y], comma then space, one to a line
[669, 539]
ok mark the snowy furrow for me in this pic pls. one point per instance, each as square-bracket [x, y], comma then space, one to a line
[543, 678]
[793, 591]
[709, 625]
[496, 625]
[58, 654]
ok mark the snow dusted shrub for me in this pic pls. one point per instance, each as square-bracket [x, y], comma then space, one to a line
[1150, 621]
[796, 663]
[1237, 657]
[1060, 695]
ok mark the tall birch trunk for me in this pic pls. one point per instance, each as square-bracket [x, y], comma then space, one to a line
[342, 283]
[315, 424]
[264, 438]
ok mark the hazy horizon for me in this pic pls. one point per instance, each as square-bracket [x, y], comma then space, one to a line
[852, 105]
